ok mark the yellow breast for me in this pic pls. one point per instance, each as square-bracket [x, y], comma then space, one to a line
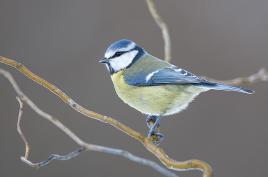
[154, 100]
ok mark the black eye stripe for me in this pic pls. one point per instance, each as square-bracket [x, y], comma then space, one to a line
[117, 54]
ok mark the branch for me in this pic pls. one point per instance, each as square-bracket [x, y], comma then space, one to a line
[260, 76]
[162, 25]
[147, 143]
[84, 146]
[53, 157]
[27, 146]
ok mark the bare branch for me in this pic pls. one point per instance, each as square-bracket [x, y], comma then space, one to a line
[158, 152]
[260, 76]
[163, 27]
[53, 157]
[148, 144]
[27, 146]
[84, 146]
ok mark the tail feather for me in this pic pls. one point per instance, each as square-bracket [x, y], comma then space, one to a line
[218, 86]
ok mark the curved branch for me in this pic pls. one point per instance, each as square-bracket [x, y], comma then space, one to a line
[53, 157]
[84, 146]
[27, 146]
[158, 152]
[260, 76]
[163, 27]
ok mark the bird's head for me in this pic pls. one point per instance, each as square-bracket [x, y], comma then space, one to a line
[121, 54]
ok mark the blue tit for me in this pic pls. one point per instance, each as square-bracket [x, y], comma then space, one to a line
[153, 86]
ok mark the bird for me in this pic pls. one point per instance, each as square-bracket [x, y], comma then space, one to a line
[153, 86]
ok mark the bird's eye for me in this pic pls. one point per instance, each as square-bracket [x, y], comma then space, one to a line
[117, 54]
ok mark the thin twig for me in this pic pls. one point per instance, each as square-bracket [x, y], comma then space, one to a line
[53, 157]
[148, 144]
[84, 146]
[260, 76]
[23, 137]
[27, 146]
[163, 27]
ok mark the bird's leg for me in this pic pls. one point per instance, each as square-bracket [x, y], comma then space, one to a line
[150, 120]
[153, 125]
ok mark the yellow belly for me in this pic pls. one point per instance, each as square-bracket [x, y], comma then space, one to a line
[155, 100]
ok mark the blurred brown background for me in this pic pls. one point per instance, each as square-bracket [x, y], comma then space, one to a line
[62, 40]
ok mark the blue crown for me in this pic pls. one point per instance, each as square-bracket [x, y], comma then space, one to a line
[123, 43]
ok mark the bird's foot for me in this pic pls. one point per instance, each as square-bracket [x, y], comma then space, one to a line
[153, 125]
[156, 138]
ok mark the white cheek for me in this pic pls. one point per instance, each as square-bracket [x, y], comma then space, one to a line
[123, 61]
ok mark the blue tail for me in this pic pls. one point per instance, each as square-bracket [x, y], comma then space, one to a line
[218, 86]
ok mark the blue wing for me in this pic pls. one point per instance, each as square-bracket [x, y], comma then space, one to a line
[173, 76]
[164, 76]
[177, 76]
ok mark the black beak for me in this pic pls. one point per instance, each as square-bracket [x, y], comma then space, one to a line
[104, 60]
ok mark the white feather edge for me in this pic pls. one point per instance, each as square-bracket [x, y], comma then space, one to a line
[149, 76]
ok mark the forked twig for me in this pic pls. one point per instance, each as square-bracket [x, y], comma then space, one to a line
[158, 152]
[53, 157]
[83, 145]
[261, 75]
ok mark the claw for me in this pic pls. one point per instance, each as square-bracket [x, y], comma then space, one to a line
[153, 125]
[157, 138]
